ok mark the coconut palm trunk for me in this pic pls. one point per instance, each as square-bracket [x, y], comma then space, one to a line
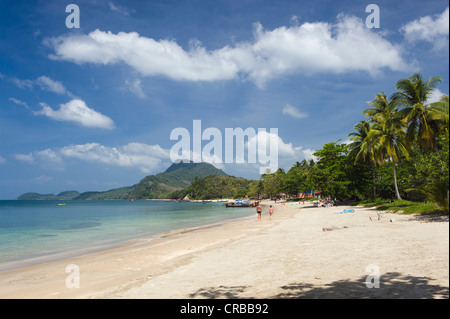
[397, 193]
[387, 134]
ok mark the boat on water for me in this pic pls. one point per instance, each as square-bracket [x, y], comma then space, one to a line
[242, 203]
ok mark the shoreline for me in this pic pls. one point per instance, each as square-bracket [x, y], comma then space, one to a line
[55, 267]
[62, 255]
[291, 256]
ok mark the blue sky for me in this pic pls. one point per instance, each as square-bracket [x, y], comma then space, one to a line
[92, 108]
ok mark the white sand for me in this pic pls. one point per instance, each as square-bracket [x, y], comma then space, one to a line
[288, 257]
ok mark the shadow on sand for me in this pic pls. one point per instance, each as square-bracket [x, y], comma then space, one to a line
[393, 285]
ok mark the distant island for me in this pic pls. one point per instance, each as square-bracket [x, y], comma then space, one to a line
[197, 180]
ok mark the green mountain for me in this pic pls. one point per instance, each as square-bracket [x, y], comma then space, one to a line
[116, 193]
[67, 195]
[177, 177]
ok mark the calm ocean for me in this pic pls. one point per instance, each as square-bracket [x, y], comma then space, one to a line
[40, 231]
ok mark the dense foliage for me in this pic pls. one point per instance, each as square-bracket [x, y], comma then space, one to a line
[217, 187]
[399, 151]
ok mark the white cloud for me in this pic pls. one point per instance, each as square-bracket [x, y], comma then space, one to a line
[77, 111]
[345, 46]
[28, 158]
[435, 96]
[49, 159]
[287, 153]
[135, 88]
[433, 29]
[44, 82]
[2, 160]
[264, 140]
[153, 158]
[23, 84]
[292, 111]
[119, 9]
[19, 102]
[145, 157]
[48, 84]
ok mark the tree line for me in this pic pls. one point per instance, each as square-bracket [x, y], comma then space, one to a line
[399, 150]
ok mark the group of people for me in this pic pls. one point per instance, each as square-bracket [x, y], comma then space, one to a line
[259, 211]
[327, 203]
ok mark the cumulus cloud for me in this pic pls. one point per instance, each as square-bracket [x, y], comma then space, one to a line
[143, 156]
[153, 158]
[77, 111]
[345, 46]
[286, 153]
[294, 112]
[433, 29]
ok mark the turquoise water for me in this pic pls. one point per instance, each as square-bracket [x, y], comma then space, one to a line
[40, 231]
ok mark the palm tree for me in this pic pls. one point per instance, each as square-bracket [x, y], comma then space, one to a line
[442, 105]
[422, 118]
[379, 105]
[387, 134]
[364, 148]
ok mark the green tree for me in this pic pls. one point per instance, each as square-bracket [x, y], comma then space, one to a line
[422, 118]
[433, 169]
[272, 182]
[292, 180]
[364, 149]
[330, 174]
[387, 133]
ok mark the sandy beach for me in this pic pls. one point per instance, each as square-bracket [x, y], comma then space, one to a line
[304, 252]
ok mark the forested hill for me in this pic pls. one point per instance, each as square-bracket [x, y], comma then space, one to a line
[177, 177]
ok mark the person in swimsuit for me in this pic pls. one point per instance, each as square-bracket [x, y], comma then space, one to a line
[259, 211]
[270, 211]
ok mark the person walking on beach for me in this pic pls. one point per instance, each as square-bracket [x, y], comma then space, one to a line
[259, 211]
[270, 211]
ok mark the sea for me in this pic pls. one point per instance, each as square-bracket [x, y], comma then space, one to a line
[33, 232]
